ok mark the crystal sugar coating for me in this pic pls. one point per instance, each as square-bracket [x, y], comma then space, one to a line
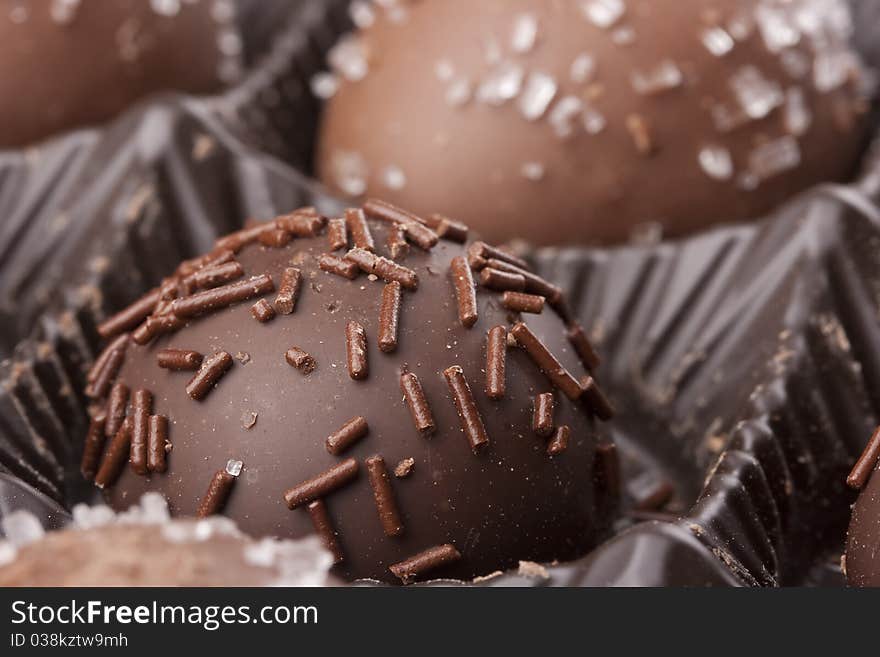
[595, 116]
[381, 364]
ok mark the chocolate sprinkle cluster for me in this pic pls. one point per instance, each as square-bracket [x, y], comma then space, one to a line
[126, 428]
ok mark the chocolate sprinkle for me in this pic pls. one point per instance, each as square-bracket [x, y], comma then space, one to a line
[523, 303]
[115, 456]
[236, 241]
[107, 375]
[211, 277]
[479, 253]
[324, 529]
[496, 360]
[347, 435]
[357, 225]
[641, 134]
[157, 440]
[416, 228]
[418, 405]
[578, 339]
[546, 361]
[862, 469]
[468, 413]
[425, 561]
[94, 445]
[356, 351]
[116, 405]
[396, 242]
[337, 235]
[321, 485]
[120, 342]
[305, 222]
[218, 492]
[389, 317]
[335, 265]
[211, 259]
[222, 297]
[288, 290]
[131, 316]
[534, 284]
[606, 469]
[262, 311]
[275, 238]
[299, 359]
[449, 229]
[559, 442]
[212, 369]
[465, 292]
[542, 415]
[386, 504]
[142, 407]
[179, 359]
[495, 279]
[595, 399]
[386, 269]
[156, 326]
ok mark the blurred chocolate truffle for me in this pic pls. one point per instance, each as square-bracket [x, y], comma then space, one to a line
[144, 547]
[862, 561]
[69, 63]
[589, 120]
[425, 407]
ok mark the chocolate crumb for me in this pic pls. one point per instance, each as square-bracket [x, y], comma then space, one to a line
[532, 570]
[248, 419]
[403, 469]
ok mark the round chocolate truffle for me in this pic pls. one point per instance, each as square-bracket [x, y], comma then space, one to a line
[592, 120]
[69, 63]
[143, 547]
[862, 562]
[430, 415]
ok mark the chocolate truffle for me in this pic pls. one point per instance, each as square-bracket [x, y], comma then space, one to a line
[592, 120]
[144, 547]
[68, 63]
[388, 405]
[862, 562]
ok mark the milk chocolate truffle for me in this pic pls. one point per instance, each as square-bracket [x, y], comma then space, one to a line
[386, 405]
[143, 547]
[69, 63]
[592, 120]
[862, 561]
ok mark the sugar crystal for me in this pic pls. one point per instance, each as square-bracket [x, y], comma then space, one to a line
[716, 162]
[539, 91]
[603, 13]
[21, 528]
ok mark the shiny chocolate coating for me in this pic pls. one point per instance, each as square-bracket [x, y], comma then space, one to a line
[68, 64]
[672, 115]
[508, 501]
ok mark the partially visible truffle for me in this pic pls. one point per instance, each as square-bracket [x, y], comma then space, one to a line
[69, 63]
[366, 362]
[144, 547]
[582, 121]
[862, 560]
